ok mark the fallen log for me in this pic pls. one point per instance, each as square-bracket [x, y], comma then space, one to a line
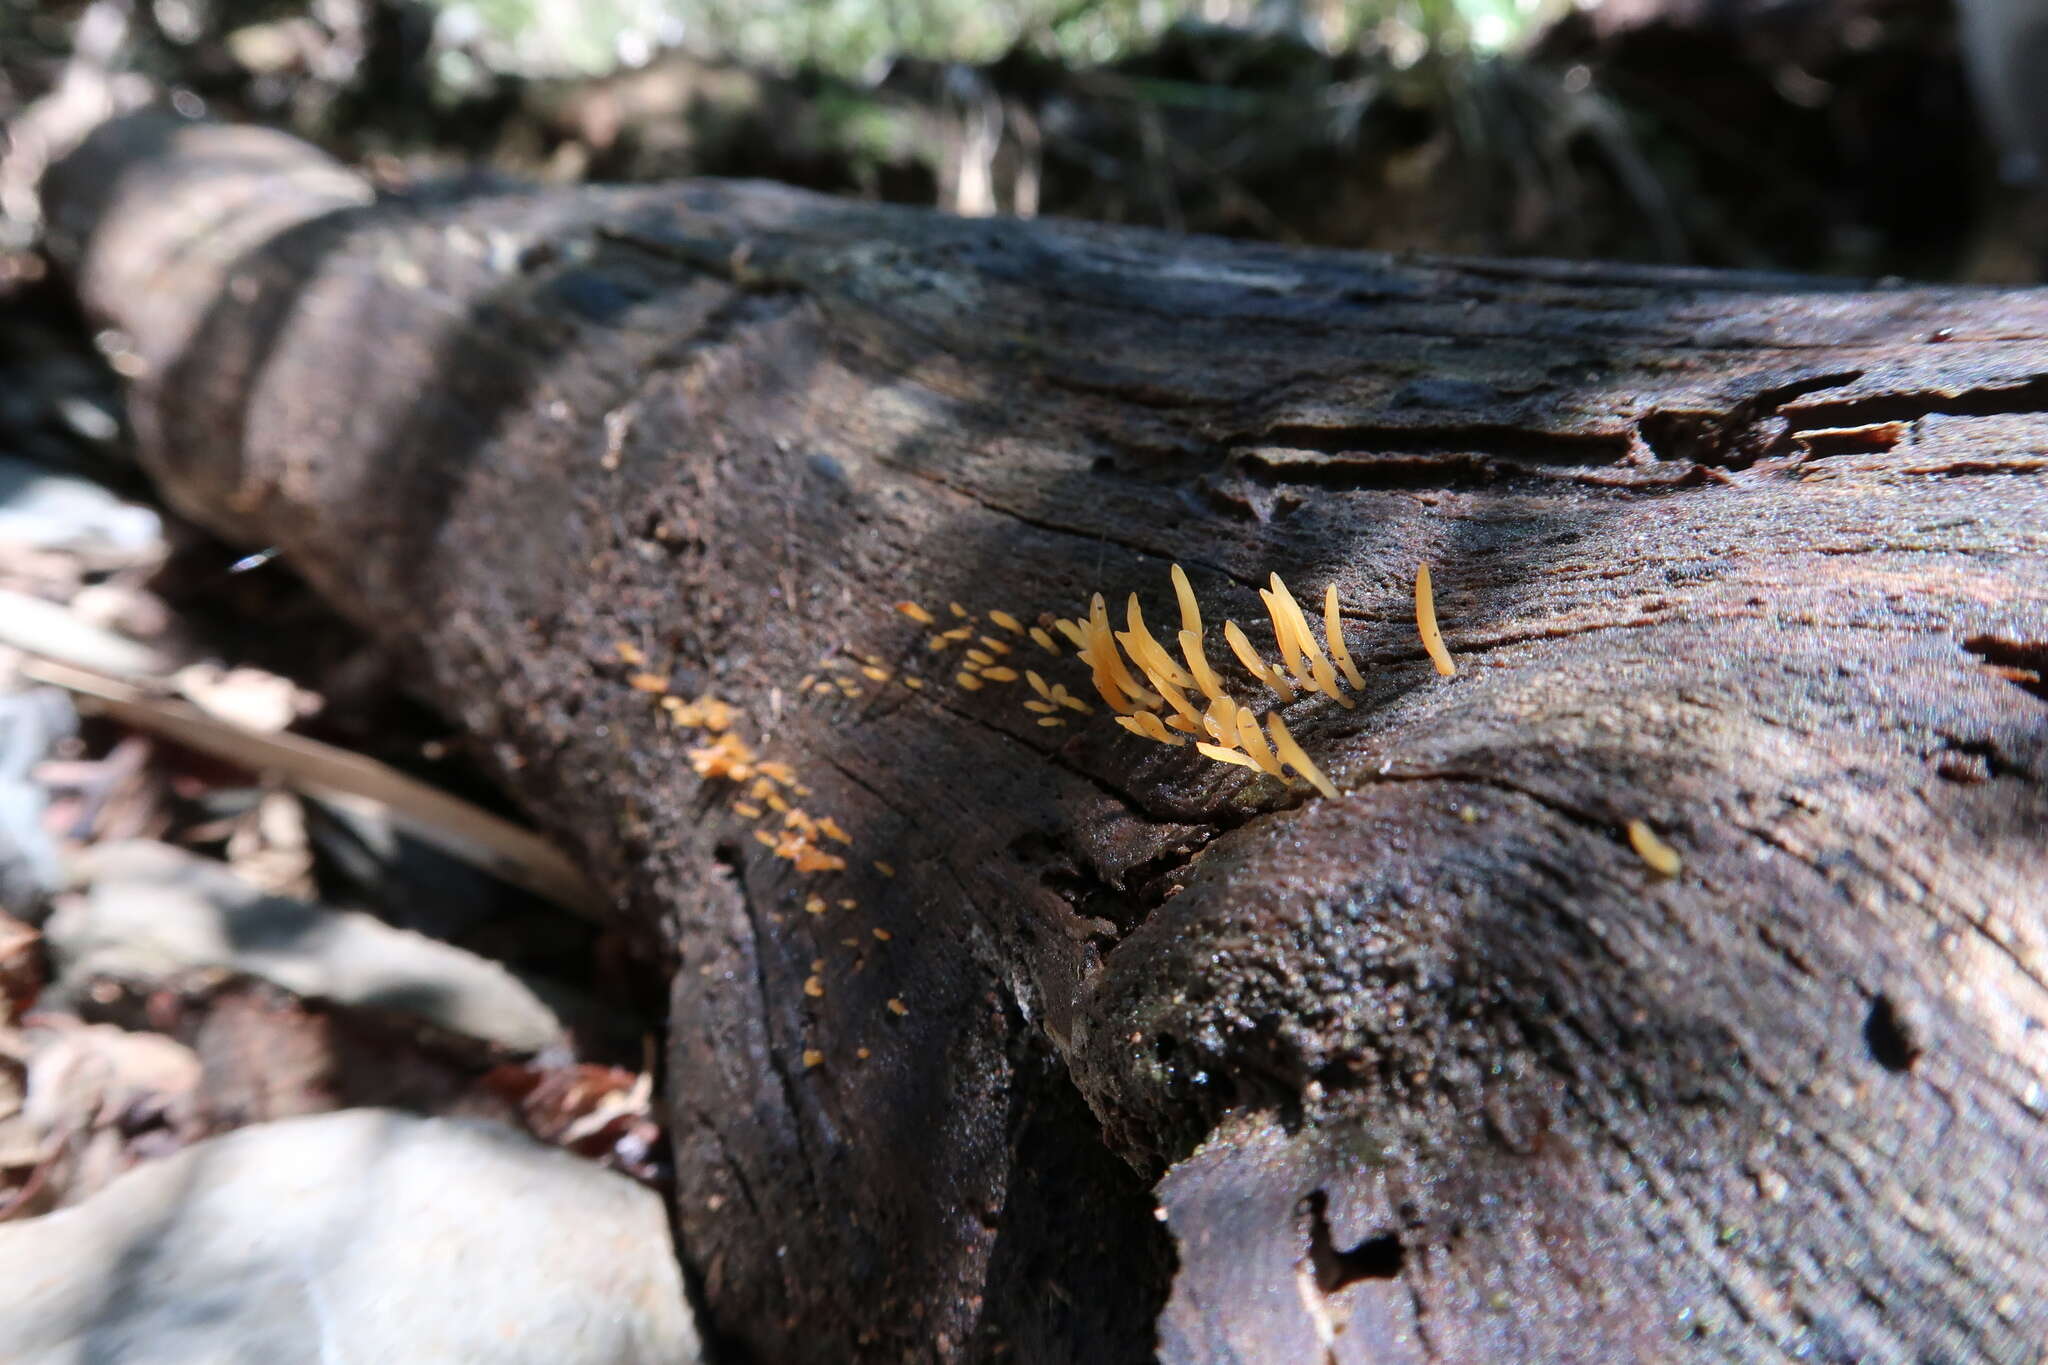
[1666, 984]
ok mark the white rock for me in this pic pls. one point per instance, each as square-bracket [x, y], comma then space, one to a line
[345, 1239]
[154, 910]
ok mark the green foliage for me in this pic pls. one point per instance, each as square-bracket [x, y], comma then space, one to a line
[853, 37]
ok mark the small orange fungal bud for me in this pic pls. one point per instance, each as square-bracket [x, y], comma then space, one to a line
[1659, 856]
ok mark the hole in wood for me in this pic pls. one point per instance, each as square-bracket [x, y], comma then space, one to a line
[2022, 663]
[1892, 1041]
[1378, 1257]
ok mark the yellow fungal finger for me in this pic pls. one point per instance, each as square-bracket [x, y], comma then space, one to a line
[1660, 856]
[1043, 641]
[1198, 665]
[1425, 623]
[1253, 664]
[1305, 641]
[1076, 636]
[1222, 722]
[1102, 646]
[1222, 755]
[1294, 757]
[1037, 683]
[1007, 622]
[1333, 631]
[1152, 727]
[1155, 731]
[915, 612]
[1249, 735]
[1105, 685]
[1148, 653]
[1283, 637]
[1190, 610]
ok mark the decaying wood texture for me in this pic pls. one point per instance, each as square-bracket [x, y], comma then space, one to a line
[1440, 1069]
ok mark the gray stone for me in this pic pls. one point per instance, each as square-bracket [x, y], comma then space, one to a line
[153, 911]
[361, 1236]
[31, 723]
[47, 510]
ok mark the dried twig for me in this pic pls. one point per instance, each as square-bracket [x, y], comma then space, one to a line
[327, 773]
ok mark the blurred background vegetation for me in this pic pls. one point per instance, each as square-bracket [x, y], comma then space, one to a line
[853, 38]
[1814, 135]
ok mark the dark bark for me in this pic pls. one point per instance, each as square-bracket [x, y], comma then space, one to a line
[1437, 1069]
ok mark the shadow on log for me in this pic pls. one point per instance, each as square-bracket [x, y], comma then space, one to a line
[1157, 1048]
